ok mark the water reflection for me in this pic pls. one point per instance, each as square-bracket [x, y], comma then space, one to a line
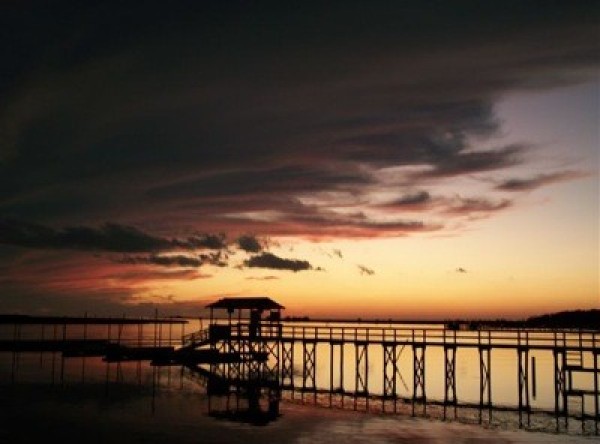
[245, 394]
[139, 397]
[253, 405]
[252, 401]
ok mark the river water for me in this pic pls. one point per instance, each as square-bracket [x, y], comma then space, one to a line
[151, 403]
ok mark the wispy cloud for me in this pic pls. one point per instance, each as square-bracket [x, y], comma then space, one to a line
[467, 206]
[531, 183]
[138, 276]
[262, 278]
[463, 163]
[365, 270]
[411, 201]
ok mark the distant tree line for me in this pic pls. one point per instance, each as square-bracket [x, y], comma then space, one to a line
[578, 319]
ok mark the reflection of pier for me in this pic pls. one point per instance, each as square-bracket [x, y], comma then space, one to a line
[253, 401]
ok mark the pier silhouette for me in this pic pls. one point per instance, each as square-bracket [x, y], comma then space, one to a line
[250, 359]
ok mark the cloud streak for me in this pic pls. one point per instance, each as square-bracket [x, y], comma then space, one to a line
[108, 237]
[262, 278]
[420, 200]
[532, 183]
[467, 206]
[165, 261]
[271, 261]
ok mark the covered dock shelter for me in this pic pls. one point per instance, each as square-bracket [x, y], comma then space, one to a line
[245, 311]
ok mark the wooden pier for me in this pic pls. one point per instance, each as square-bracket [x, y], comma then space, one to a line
[292, 347]
[568, 351]
[245, 350]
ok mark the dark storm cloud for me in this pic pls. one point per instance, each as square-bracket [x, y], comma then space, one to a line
[217, 258]
[538, 181]
[263, 117]
[108, 237]
[209, 241]
[249, 244]
[110, 110]
[269, 260]
[271, 118]
[263, 181]
[433, 134]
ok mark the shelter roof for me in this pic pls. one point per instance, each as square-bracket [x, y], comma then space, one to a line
[261, 303]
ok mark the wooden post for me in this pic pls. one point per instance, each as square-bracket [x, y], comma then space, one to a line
[14, 354]
[596, 394]
[330, 367]
[83, 357]
[42, 353]
[54, 333]
[85, 326]
[533, 378]
[155, 325]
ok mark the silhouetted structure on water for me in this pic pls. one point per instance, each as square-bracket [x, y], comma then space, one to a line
[249, 354]
[246, 370]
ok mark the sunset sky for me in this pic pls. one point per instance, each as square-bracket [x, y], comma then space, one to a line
[389, 159]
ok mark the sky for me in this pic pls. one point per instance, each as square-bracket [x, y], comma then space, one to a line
[373, 159]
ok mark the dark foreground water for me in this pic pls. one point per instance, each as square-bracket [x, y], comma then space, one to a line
[44, 398]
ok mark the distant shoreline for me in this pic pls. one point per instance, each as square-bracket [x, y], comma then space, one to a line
[578, 319]
[59, 320]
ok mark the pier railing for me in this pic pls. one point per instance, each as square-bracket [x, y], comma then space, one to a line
[44, 335]
[541, 340]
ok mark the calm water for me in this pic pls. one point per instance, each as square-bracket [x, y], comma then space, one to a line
[92, 401]
[78, 395]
